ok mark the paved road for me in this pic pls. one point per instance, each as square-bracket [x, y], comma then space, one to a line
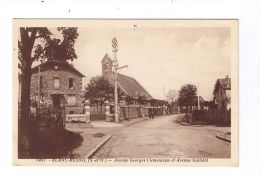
[164, 137]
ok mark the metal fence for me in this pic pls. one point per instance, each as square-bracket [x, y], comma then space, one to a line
[45, 118]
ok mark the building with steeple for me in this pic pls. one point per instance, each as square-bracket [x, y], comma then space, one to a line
[127, 84]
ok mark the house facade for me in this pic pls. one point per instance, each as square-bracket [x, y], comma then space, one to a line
[222, 93]
[59, 84]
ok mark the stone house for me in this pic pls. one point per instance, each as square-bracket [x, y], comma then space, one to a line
[59, 85]
[222, 93]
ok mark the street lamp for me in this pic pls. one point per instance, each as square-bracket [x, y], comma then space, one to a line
[116, 67]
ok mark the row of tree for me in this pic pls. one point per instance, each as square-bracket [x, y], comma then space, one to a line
[184, 97]
[99, 90]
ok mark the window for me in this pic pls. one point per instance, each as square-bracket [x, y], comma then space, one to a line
[71, 83]
[56, 83]
[71, 100]
[106, 66]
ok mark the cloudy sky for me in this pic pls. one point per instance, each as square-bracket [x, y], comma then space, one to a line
[159, 56]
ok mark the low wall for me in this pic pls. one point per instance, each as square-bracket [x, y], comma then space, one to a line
[74, 110]
[76, 118]
[135, 111]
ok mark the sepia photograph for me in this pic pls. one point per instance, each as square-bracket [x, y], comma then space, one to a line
[128, 92]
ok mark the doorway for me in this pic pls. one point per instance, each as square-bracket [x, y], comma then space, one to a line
[56, 101]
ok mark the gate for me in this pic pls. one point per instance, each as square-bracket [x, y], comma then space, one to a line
[97, 113]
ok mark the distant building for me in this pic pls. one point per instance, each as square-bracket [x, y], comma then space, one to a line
[127, 84]
[60, 84]
[222, 93]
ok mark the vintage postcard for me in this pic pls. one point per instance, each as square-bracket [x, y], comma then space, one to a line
[128, 92]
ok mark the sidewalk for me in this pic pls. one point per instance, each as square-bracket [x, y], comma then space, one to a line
[223, 133]
[224, 136]
[133, 121]
[96, 134]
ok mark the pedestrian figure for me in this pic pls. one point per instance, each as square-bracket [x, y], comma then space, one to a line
[150, 113]
[190, 117]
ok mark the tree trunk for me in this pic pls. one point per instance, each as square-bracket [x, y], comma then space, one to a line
[24, 122]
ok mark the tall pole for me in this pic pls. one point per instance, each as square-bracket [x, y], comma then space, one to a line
[115, 64]
[116, 67]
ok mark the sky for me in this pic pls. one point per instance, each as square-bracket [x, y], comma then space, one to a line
[160, 57]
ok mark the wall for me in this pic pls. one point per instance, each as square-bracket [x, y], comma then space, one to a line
[48, 84]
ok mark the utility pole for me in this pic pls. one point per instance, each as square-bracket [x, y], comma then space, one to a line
[116, 67]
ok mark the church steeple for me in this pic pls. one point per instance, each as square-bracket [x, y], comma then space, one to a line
[107, 67]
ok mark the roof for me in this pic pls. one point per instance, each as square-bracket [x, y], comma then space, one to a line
[225, 83]
[58, 63]
[131, 86]
[106, 58]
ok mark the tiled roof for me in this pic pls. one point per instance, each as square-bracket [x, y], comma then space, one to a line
[225, 83]
[131, 86]
[59, 63]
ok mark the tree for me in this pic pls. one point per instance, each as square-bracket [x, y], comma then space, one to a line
[129, 99]
[35, 44]
[172, 96]
[99, 89]
[186, 94]
[142, 100]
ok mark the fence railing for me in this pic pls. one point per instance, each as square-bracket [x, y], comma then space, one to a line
[213, 116]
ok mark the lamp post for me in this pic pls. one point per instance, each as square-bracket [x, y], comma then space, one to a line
[116, 67]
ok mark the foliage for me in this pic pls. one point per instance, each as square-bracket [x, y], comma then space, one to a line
[172, 96]
[63, 50]
[216, 87]
[129, 99]
[43, 93]
[38, 43]
[34, 44]
[99, 90]
[186, 94]
[141, 100]
[155, 102]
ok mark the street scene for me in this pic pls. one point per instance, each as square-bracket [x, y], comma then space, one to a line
[164, 137]
[124, 89]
